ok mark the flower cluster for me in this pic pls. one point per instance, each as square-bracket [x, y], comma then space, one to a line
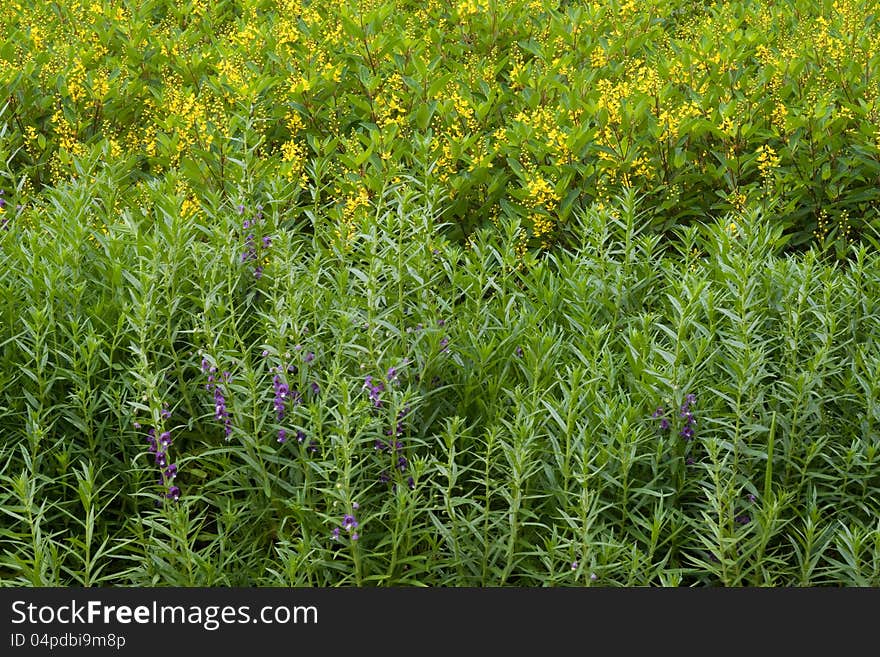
[394, 448]
[686, 413]
[221, 413]
[375, 390]
[160, 447]
[254, 250]
[658, 414]
[687, 431]
[349, 524]
[284, 396]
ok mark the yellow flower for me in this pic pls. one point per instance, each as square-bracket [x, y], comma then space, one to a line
[767, 160]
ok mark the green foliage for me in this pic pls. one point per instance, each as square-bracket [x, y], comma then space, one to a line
[524, 108]
[526, 398]
[477, 293]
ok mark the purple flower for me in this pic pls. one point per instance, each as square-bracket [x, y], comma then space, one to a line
[444, 345]
[258, 272]
[392, 374]
[657, 413]
[335, 533]
[375, 390]
[315, 388]
[171, 471]
[687, 431]
[743, 519]
[220, 410]
[574, 565]
[751, 498]
[173, 493]
[165, 439]
[161, 459]
[309, 357]
[518, 351]
[349, 522]
[240, 208]
[300, 437]
[355, 506]
[355, 536]
[593, 577]
[267, 241]
[282, 436]
[282, 391]
[664, 424]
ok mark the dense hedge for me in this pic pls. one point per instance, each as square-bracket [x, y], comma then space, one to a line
[528, 108]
